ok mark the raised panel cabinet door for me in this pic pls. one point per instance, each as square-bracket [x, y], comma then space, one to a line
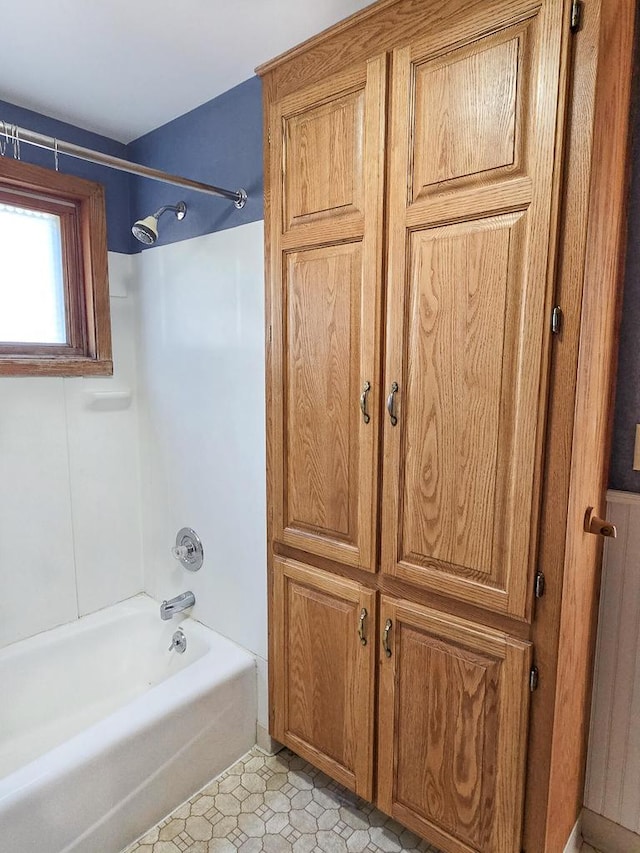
[327, 147]
[453, 708]
[323, 671]
[472, 224]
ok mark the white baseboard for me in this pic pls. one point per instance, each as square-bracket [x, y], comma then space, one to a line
[606, 836]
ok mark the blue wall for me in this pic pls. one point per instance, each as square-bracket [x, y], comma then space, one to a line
[218, 143]
[117, 184]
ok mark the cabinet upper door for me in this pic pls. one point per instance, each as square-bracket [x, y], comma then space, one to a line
[452, 729]
[327, 159]
[322, 670]
[473, 179]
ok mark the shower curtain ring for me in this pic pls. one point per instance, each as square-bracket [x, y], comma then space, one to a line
[15, 138]
[55, 154]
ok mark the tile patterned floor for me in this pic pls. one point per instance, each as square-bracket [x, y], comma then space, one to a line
[277, 804]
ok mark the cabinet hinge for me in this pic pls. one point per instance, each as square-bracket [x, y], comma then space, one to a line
[556, 320]
[269, 334]
[576, 16]
[269, 136]
[539, 584]
[533, 678]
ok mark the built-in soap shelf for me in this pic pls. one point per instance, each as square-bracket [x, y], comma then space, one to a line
[107, 401]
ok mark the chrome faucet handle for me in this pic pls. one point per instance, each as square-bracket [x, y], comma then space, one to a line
[188, 549]
[182, 552]
[178, 642]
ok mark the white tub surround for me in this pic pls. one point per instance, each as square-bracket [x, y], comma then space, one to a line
[70, 532]
[202, 426]
[108, 730]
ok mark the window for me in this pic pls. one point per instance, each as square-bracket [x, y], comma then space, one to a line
[54, 292]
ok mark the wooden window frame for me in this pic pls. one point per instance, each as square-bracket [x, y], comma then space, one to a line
[80, 206]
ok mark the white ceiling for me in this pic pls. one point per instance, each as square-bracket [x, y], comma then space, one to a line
[124, 67]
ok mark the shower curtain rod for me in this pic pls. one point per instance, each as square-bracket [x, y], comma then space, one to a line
[18, 135]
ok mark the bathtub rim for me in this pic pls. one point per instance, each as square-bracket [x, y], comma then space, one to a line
[160, 700]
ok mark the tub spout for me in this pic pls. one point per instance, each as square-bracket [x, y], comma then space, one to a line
[177, 605]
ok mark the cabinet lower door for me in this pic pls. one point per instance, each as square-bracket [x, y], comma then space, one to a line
[322, 671]
[453, 714]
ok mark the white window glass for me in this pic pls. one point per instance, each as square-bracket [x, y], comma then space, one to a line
[32, 308]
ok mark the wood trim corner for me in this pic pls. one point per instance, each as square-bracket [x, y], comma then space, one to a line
[81, 205]
[583, 373]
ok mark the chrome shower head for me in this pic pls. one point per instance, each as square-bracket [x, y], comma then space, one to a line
[146, 230]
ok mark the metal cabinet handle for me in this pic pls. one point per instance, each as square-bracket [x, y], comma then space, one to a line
[385, 638]
[598, 526]
[363, 616]
[363, 402]
[390, 404]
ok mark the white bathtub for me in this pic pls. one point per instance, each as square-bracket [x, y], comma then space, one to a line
[103, 730]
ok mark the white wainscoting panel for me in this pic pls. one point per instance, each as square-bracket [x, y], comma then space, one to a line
[613, 769]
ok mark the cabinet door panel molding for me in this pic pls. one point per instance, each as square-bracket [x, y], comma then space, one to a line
[467, 309]
[324, 671]
[447, 763]
[328, 145]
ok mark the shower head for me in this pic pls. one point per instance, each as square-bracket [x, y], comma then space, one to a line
[146, 230]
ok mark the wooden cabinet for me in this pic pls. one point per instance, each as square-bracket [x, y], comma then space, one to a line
[438, 176]
[471, 227]
[452, 727]
[326, 258]
[323, 668]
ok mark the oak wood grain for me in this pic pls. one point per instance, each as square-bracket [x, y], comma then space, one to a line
[467, 320]
[456, 134]
[449, 206]
[323, 675]
[595, 383]
[400, 588]
[322, 374]
[535, 188]
[382, 27]
[453, 702]
[451, 404]
[578, 84]
[323, 160]
[325, 272]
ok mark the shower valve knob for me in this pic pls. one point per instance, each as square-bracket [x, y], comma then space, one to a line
[188, 549]
[182, 552]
